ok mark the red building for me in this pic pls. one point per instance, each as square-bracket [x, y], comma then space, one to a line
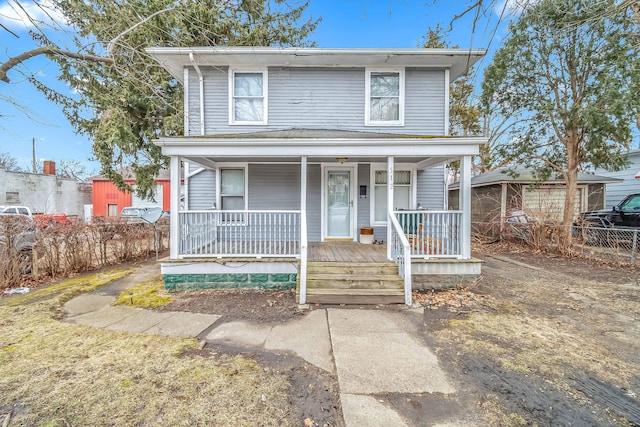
[108, 200]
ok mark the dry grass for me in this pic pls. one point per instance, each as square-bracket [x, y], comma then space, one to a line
[529, 343]
[149, 294]
[53, 373]
[67, 289]
[497, 415]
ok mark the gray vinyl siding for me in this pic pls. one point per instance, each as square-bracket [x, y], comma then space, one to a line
[364, 203]
[617, 191]
[316, 98]
[313, 202]
[274, 187]
[216, 95]
[430, 191]
[202, 189]
[424, 102]
[321, 98]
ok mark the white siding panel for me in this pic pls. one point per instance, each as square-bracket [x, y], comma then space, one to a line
[548, 203]
[155, 201]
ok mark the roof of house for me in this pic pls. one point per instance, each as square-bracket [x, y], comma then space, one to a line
[525, 176]
[129, 175]
[175, 59]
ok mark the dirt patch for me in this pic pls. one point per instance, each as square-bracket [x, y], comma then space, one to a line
[255, 305]
[542, 340]
[538, 339]
[313, 393]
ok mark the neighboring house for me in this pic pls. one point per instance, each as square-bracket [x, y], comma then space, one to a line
[44, 193]
[630, 180]
[109, 201]
[291, 153]
[496, 195]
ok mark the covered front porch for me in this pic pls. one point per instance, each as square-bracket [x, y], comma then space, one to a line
[279, 200]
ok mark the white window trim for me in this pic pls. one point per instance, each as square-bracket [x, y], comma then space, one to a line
[372, 183]
[265, 96]
[367, 90]
[221, 166]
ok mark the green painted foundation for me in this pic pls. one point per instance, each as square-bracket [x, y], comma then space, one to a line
[185, 282]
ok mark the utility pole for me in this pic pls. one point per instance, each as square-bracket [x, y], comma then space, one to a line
[33, 155]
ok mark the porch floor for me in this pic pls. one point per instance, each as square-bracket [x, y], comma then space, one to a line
[346, 251]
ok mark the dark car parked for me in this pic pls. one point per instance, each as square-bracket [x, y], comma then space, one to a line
[624, 214]
[618, 223]
[17, 237]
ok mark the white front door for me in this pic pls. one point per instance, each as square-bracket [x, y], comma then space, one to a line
[338, 203]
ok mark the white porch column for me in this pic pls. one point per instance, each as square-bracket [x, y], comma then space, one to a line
[465, 206]
[303, 230]
[175, 206]
[389, 202]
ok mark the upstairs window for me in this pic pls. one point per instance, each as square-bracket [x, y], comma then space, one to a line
[385, 98]
[248, 103]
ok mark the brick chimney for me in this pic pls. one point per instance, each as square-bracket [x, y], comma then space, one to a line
[49, 167]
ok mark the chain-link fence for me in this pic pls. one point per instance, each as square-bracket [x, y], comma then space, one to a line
[615, 244]
[610, 244]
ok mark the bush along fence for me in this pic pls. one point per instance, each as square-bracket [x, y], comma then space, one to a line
[609, 244]
[72, 247]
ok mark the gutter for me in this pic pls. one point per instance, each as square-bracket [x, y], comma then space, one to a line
[201, 79]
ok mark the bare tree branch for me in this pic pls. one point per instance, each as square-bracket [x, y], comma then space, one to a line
[119, 36]
[46, 50]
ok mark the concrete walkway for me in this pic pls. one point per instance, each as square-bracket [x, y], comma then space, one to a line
[96, 309]
[372, 352]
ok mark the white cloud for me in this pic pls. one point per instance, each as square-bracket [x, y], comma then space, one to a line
[25, 14]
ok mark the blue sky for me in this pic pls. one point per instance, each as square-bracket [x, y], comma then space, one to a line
[345, 23]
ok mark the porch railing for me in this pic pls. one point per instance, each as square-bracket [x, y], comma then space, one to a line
[240, 233]
[432, 234]
[401, 255]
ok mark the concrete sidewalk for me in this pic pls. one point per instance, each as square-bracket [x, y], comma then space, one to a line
[373, 352]
[96, 309]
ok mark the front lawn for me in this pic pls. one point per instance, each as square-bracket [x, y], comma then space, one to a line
[53, 373]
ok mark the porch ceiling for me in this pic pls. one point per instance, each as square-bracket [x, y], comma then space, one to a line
[405, 148]
[424, 162]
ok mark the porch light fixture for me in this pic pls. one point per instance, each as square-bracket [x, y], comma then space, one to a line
[341, 160]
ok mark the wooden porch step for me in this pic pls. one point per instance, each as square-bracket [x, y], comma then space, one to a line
[355, 299]
[333, 291]
[367, 268]
[354, 283]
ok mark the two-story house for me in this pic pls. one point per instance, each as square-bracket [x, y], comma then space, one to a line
[290, 154]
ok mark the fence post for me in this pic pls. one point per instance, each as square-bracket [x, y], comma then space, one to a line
[634, 246]
[34, 261]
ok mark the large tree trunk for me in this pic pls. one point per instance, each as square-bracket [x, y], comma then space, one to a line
[571, 180]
